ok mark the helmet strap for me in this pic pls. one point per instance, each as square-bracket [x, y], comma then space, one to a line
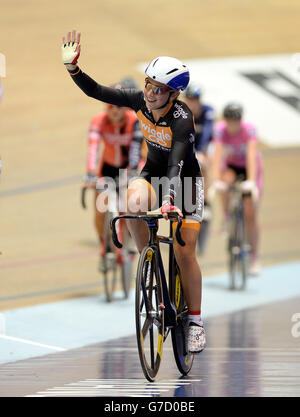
[167, 102]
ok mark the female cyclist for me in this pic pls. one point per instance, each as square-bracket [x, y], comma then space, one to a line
[236, 154]
[167, 126]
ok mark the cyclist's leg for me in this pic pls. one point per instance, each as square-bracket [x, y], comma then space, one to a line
[101, 201]
[251, 208]
[229, 177]
[191, 279]
[140, 198]
[252, 231]
[187, 261]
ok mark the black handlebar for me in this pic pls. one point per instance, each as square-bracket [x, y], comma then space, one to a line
[83, 192]
[147, 218]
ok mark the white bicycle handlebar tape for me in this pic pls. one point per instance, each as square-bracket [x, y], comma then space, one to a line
[70, 53]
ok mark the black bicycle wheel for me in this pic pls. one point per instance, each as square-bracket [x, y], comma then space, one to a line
[109, 261]
[237, 253]
[149, 311]
[184, 359]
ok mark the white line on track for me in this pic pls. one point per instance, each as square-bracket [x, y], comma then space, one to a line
[113, 387]
[30, 342]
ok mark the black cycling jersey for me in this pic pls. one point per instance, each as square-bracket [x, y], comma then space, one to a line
[170, 140]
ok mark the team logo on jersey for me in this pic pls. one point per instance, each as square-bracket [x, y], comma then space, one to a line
[159, 135]
[179, 112]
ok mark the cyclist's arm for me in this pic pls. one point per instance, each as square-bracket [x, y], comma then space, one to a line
[251, 160]
[135, 146]
[118, 97]
[217, 160]
[217, 156]
[94, 138]
[181, 142]
[251, 152]
[207, 131]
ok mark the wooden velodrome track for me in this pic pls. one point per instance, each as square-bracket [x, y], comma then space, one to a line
[47, 241]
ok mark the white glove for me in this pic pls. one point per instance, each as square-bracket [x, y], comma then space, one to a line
[220, 185]
[217, 185]
[249, 186]
[70, 52]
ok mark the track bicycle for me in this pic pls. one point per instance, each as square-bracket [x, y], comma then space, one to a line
[238, 248]
[160, 307]
[114, 264]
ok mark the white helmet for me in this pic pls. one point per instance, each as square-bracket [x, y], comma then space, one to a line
[169, 71]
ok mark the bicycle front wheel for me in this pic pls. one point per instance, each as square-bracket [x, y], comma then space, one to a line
[149, 310]
[184, 359]
[238, 254]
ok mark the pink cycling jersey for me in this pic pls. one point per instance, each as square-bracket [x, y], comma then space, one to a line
[235, 146]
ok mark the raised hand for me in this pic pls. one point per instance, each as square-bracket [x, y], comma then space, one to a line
[70, 49]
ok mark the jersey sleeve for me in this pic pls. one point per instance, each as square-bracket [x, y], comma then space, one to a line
[118, 97]
[135, 146]
[207, 131]
[94, 137]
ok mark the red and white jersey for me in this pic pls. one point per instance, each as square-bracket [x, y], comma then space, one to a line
[116, 140]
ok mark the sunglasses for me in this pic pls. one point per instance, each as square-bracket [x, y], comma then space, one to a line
[157, 90]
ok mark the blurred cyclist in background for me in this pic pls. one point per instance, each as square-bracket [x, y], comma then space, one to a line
[204, 121]
[236, 154]
[116, 130]
[129, 82]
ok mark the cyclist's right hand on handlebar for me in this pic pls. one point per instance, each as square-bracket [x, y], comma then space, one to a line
[167, 208]
[70, 49]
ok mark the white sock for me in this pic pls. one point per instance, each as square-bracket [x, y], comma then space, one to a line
[195, 318]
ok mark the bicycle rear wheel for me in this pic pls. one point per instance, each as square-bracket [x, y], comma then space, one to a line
[184, 359]
[149, 311]
[109, 261]
[237, 247]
